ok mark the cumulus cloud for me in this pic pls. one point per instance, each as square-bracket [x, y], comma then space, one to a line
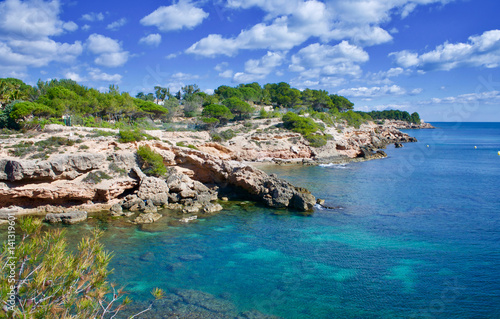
[93, 16]
[489, 97]
[97, 75]
[321, 59]
[259, 69]
[289, 23]
[480, 51]
[175, 17]
[74, 76]
[109, 51]
[26, 29]
[152, 40]
[114, 26]
[377, 91]
[283, 33]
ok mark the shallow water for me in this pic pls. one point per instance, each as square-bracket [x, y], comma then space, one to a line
[417, 235]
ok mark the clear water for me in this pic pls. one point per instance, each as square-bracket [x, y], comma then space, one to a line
[418, 236]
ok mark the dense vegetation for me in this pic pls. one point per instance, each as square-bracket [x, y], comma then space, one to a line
[66, 102]
[43, 278]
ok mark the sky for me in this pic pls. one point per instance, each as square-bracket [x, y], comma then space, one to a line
[440, 58]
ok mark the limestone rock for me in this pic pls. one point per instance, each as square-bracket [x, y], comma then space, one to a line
[148, 218]
[66, 218]
[154, 189]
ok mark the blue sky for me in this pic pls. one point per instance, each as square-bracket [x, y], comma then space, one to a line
[438, 57]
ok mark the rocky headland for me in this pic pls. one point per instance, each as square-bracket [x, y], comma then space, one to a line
[97, 173]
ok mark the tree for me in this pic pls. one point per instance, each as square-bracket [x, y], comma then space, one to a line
[341, 103]
[189, 91]
[239, 107]
[42, 279]
[217, 111]
[162, 93]
[415, 118]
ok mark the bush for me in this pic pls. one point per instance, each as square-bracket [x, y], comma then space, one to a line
[227, 134]
[96, 177]
[127, 136]
[316, 140]
[52, 282]
[299, 124]
[151, 162]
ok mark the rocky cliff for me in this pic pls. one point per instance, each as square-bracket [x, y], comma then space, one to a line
[96, 181]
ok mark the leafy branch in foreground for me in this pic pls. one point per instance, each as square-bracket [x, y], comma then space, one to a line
[41, 279]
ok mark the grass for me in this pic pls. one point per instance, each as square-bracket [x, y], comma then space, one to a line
[182, 144]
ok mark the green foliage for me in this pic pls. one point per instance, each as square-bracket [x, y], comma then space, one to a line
[352, 118]
[318, 100]
[45, 279]
[227, 134]
[299, 124]
[217, 111]
[395, 115]
[317, 140]
[151, 162]
[283, 95]
[239, 107]
[182, 144]
[136, 135]
[6, 121]
[264, 114]
[341, 103]
[96, 177]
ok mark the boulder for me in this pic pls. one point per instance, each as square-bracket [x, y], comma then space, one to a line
[154, 189]
[66, 218]
[147, 218]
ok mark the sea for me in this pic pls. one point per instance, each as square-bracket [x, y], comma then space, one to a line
[414, 235]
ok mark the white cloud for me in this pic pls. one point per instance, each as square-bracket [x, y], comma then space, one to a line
[109, 51]
[31, 19]
[97, 75]
[171, 56]
[259, 69]
[226, 74]
[152, 40]
[321, 59]
[92, 16]
[283, 33]
[26, 29]
[114, 26]
[289, 23]
[180, 76]
[175, 17]
[489, 97]
[86, 27]
[480, 51]
[74, 76]
[377, 91]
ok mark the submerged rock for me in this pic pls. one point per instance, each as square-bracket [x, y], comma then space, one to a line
[147, 218]
[66, 218]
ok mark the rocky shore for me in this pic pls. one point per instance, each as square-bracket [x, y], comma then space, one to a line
[96, 173]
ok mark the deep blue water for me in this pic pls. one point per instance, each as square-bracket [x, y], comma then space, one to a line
[418, 236]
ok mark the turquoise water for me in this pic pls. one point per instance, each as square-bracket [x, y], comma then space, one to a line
[417, 236]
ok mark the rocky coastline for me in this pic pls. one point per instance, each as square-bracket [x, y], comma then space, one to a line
[99, 174]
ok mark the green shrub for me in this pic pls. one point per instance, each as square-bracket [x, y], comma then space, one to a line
[136, 135]
[54, 280]
[299, 124]
[96, 177]
[227, 134]
[316, 140]
[216, 137]
[151, 162]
